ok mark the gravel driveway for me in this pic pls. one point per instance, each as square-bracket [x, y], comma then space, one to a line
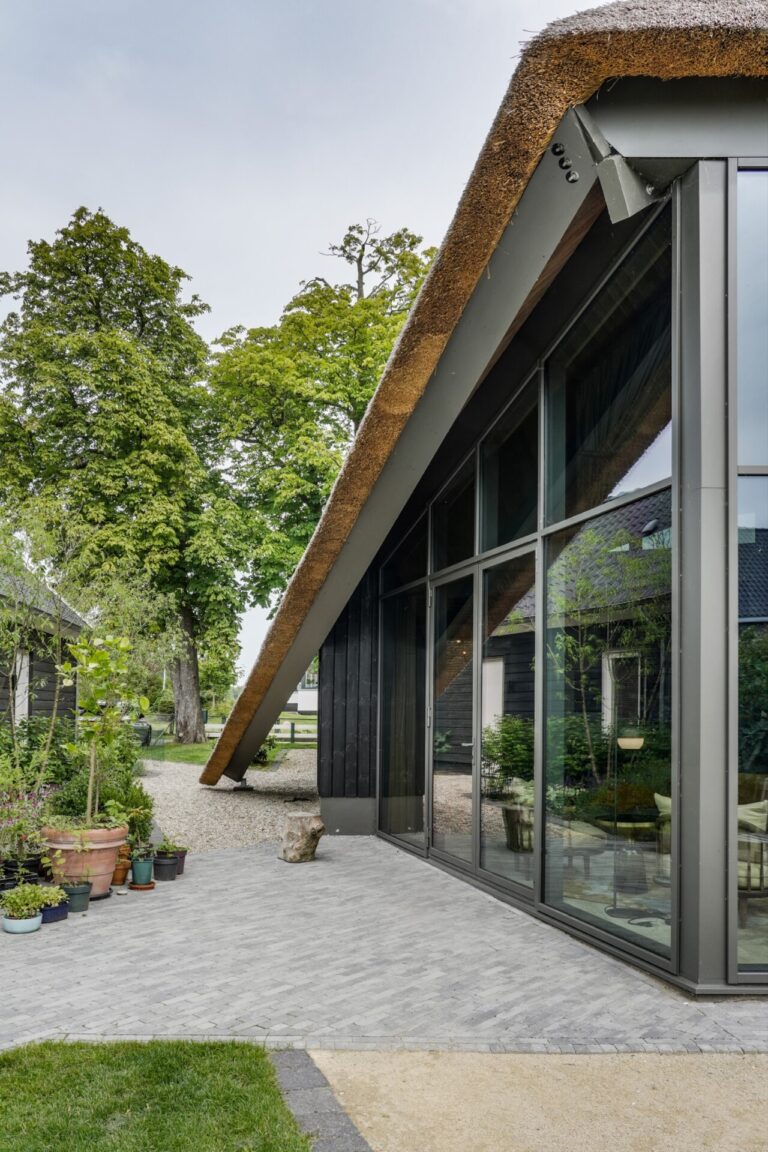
[210, 818]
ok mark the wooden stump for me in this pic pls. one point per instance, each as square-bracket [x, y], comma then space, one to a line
[301, 835]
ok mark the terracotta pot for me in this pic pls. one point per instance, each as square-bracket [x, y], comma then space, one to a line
[120, 874]
[96, 863]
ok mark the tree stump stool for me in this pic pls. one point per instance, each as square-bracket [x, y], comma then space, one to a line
[301, 835]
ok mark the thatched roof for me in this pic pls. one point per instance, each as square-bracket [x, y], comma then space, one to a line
[560, 68]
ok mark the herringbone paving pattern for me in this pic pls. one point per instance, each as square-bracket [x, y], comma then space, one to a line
[366, 947]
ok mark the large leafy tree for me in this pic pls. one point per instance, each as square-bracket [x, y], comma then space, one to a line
[292, 396]
[109, 434]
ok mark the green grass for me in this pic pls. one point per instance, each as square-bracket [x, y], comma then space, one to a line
[187, 753]
[162, 1096]
[200, 753]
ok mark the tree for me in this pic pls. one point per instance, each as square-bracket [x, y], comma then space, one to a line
[109, 433]
[293, 395]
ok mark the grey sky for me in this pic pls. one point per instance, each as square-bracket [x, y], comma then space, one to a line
[237, 138]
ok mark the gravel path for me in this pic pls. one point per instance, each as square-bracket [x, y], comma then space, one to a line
[211, 818]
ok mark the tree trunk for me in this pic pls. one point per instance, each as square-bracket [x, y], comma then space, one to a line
[185, 678]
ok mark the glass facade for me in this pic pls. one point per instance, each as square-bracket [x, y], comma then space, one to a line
[545, 763]
[509, 470]
[752, 534]
[752, 326]
[609, 426]
[608, 721]
[508, 696]
[403, 681]
[453, 727]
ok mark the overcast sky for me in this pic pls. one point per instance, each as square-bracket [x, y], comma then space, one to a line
[238, 138]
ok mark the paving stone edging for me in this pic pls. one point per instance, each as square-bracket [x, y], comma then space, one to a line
[300, 1044]
[310, 1098]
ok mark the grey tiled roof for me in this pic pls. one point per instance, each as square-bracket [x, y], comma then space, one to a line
[34, 594]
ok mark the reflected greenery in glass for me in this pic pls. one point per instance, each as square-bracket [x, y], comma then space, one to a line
[608, 735]
[507, 704]
[752, 809]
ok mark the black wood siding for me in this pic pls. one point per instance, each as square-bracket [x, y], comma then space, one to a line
[42, 681]
[347, 697]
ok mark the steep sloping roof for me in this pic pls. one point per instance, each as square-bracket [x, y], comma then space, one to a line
[31, 592]
[560, 68]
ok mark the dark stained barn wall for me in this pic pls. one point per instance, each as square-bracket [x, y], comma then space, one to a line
[347, 697]
[42, 680]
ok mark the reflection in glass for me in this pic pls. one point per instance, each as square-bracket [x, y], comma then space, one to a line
[609, 800]
[752, 812]
[453, 728]
[509, 471]
[609, 386]
[453, 520]
[403, 699]
[409, 561]
[752, 304]
[507, 712]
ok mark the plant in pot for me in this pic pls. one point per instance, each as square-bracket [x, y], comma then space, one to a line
[139, 806]
[54, 903]
[21, 844]
[166, 860]
[89, 841]
[141, 865]
[22, 908]
[181, 851]
[77, 890]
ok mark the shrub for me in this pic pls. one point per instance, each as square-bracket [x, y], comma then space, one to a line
[23, 902]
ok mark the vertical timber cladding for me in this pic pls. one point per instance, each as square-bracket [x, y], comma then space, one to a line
[42, 688]
[348, 697]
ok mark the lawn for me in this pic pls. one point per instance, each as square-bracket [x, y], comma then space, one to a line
[163, 1096]
[200, 753]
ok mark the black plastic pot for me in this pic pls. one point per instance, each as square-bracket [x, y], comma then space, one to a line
[22, 871]
[181, 856]
[165, 867]
[79, 896]
[56, 912]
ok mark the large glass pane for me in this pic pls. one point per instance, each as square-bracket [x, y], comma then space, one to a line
[403, 702]
[752, 813]
[509, 482]
[507, 712]
[409, 560]
[609, 804]
[453, 520]
[752, 304]
[609, 386]
[453, 721]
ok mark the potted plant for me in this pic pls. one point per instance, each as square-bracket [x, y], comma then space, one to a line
[91, 842]
[166, 860]
[54, 903]
[22, 908]
[141, 866]
[122, 867]
[78, 894]
[167, 848]
[20, 840]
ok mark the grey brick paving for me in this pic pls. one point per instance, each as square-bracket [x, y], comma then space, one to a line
[365, 948]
